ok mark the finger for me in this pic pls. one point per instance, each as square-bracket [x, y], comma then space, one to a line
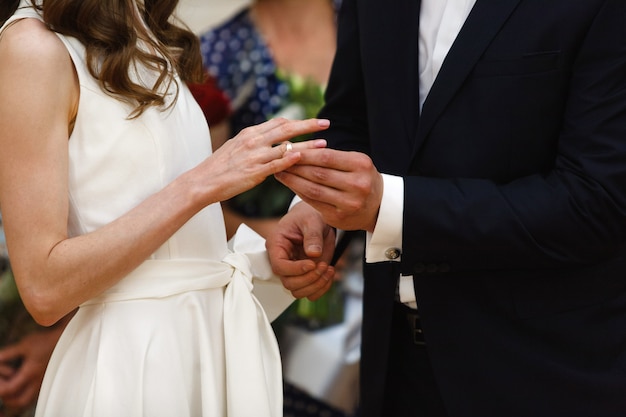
[6, 371]
[298, 285]
[286, 146]
[316, 288]
[333, 159]
[313, 244]
[284, 260]
[29, 395]
[278, 130]
[346, 171]
[22, 390]
[321, 194]
[20, 400]
[9, 390]
[10, 353]
[291, 269]
[328, 177]
[289, 129]
[308, 144]
[9, 386]
[317, 295]
[267, 126]
[309, 282]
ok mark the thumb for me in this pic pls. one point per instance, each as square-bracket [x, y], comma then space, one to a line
[313, 244]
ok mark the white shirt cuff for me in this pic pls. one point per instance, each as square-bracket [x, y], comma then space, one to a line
[294, 201]
[385, 243]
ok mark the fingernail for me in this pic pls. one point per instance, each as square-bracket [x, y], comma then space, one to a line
[323, 122]
[315, 248]
[325, 276]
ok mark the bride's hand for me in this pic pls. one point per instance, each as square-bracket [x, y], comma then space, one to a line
[255, 153]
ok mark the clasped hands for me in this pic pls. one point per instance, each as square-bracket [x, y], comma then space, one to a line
[22, 368]
[340, 190]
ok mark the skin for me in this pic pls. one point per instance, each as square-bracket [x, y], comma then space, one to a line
[339, 190]
[300, 34]
[39, 94]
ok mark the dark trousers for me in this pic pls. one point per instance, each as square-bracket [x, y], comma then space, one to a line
[411, 389]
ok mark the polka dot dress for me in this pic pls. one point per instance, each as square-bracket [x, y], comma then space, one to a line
[236, 55]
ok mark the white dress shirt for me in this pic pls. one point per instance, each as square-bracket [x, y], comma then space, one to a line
[440, 23]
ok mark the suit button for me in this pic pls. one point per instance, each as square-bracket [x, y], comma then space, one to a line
[392, 253]
[431, 268]
[444, 267]
[419, 268]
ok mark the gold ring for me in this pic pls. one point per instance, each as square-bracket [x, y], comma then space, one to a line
[288, 147]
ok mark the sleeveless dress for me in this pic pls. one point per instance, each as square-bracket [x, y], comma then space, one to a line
[182, 335]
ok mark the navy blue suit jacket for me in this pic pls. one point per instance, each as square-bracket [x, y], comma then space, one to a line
[515, 199]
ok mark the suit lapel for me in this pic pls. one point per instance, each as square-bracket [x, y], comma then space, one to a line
[481, 26]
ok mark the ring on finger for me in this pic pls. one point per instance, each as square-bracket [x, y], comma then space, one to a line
[288, 147]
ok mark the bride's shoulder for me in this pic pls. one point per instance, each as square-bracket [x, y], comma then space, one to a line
[35, 64]
[26, 40]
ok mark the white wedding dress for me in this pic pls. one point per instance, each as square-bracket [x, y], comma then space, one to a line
[182, 335]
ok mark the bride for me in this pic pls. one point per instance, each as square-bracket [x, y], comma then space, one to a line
[110, 199]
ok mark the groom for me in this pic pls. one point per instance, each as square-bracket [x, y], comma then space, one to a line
[490, 173]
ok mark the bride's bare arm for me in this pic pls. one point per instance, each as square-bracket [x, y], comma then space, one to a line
[38, 99]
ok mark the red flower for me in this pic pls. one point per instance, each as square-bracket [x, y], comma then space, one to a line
[213, 102]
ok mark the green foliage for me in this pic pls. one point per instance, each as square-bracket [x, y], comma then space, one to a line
[304, 91]
[271, 198]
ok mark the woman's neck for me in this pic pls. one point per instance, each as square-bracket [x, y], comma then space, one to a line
[300, 34]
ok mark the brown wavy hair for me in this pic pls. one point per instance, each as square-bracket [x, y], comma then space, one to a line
[112, 30]
[7, 8]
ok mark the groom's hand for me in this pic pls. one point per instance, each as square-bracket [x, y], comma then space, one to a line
[344, 187]
[300, 249]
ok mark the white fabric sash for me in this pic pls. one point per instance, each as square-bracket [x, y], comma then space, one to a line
[253, 365]
[252, 355]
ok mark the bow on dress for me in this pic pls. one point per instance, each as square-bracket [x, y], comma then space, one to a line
[252, 299]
